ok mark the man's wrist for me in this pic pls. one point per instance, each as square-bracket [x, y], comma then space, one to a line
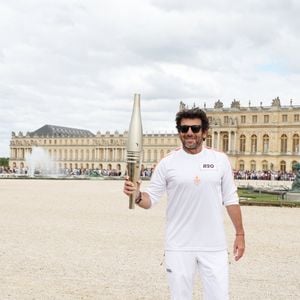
[240, 234]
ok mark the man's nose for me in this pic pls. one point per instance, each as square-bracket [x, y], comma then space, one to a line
[190, 132]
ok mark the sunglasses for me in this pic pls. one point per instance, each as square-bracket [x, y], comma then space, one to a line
[185, 128]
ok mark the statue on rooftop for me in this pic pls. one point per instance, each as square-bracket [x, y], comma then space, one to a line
[235, 104]
[276, 102]
[218, 104]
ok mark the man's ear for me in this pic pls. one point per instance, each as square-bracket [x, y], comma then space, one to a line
[204, 135]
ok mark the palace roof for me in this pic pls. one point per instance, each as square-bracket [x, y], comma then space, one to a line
[60, 131]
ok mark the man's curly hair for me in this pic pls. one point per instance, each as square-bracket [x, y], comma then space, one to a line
[193, 113]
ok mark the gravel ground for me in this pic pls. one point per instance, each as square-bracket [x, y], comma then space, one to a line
[78, 240]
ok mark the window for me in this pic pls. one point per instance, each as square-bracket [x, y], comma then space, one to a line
[225, 143]
[254, 119]
[296, 143]
[283, 143]
[253, 165]
[242, 143]
[241, 165]
[265, 143]
[293, 163]
[209, 120]
[209, 141]
[264, 165]
[282, 166]
[284, 118]
[226, 120]
[155, 155]
[266, 118]
[243, 119]
[296, 117]
[149, 155]
[162, 154]
[253, 143]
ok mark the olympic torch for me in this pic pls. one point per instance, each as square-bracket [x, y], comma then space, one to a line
[134, 146]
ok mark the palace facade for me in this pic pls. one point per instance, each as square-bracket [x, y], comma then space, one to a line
[255, 138]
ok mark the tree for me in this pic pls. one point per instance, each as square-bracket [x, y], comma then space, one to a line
[4, 161]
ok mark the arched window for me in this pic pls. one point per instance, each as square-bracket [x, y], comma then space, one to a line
[266, 143]
[282, 166]
[225, 143]
[209, 141]
[253, 165]
[162, 154]
[155, 155]
[283, 143]
[264, 165]
[241, 165]
[293, 163]
[253, 143]
[242, 143]
[296, 143]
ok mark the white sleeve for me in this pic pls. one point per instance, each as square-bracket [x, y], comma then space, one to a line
[157, 184]
[229, 189]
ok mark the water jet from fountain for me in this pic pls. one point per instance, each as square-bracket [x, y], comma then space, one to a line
[40, 163]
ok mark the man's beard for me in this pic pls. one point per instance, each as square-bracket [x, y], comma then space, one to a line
[196, 144]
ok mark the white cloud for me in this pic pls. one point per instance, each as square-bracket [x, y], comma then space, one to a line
[78, 63]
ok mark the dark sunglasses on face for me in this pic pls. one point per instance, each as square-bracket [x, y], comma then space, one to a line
[185, 128]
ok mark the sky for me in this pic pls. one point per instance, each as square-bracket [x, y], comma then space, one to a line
[78, 63]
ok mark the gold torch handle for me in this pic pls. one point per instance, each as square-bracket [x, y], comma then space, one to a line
[133, 173]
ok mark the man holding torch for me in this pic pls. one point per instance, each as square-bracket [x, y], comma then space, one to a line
[198, 182]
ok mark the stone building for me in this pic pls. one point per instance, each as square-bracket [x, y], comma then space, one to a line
[73, 148]
[255, 138]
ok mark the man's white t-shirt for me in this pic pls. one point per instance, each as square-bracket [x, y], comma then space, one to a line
[197, 186]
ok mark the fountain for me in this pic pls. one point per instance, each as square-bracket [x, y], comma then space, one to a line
[39, 163]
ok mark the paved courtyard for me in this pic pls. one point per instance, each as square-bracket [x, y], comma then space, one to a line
[78, 240]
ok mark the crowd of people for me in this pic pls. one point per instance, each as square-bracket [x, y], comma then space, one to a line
[147, 172]
[264, 175]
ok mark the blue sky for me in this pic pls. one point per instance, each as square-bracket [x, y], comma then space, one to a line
[78, 63]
